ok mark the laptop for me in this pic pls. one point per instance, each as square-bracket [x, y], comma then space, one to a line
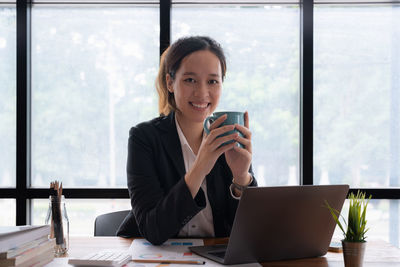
[279, 223]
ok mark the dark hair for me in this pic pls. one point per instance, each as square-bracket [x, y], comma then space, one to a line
[171, 60]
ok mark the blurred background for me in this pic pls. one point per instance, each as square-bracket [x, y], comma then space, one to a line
[93, 68]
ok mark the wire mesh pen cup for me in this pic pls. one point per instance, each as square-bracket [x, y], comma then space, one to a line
[59, 224]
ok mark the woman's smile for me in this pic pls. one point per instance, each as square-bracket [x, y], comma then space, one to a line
[201, 106]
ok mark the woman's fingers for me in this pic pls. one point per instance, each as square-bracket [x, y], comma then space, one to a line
[221, 130]
[246, 120]
[243, 151]
[223, 139]
[215, 140]
[246, 142]
[224, 148]
[218, 122]
[245, 131]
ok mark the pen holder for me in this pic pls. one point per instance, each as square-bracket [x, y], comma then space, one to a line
[59, 224]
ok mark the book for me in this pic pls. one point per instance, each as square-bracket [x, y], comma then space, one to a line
[14, 236]
[18, 250]
[43, 261]
[29, 255]
[39, 260]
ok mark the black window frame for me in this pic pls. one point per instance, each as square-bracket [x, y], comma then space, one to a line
[23, 193]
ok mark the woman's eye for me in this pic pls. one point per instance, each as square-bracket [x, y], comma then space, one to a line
[190, 80]
[212, 81]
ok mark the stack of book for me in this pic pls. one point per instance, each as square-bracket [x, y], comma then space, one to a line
[26, 246]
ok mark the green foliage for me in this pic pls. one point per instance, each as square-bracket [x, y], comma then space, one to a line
[356, 221]
[93, 72]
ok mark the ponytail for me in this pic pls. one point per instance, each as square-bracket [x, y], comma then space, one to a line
[166, 101]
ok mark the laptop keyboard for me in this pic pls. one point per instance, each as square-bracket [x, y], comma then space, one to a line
[219, 254]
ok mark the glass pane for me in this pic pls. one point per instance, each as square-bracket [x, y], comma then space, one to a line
[7, 95]
[357, 95]
[145, 2]
[262, 77]
[81, 212]
[93, 72]
[251, 2]
[383, 221]
[353, 1]
[97, 1]
[7, 206]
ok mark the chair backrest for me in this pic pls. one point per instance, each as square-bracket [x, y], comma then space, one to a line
[108, 224]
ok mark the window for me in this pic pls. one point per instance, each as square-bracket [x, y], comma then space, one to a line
[7, 95]
[81, 212]
[7, 218]
[356, 105]
[382, 220]
[356, 95]
[93, 72]
[262, 76]
[92, 69]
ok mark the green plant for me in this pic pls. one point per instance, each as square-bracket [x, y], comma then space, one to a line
[356, 221]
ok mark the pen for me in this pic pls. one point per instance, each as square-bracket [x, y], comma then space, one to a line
[172, 261]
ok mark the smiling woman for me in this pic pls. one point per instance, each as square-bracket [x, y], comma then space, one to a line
[178, 176]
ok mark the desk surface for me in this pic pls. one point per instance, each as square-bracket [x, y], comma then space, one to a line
[378, 253]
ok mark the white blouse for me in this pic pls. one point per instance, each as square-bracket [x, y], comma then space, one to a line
[201, 225]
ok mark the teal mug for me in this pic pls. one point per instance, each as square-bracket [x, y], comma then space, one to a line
[233, 117]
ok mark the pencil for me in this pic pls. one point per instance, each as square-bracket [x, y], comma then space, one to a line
[172, 261]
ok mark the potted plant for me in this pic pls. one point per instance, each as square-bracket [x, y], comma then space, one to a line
[354, 229]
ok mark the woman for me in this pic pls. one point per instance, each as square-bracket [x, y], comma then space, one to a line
[179, 178]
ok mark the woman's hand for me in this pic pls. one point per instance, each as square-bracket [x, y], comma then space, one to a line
[210, 150]
[238, 158]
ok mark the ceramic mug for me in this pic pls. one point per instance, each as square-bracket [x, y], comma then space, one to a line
[233, 117]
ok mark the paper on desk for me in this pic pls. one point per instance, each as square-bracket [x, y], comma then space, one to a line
[172, 249]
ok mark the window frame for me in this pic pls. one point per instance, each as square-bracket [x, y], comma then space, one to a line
[23, 193]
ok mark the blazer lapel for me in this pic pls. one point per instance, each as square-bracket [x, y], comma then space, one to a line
[170, 140]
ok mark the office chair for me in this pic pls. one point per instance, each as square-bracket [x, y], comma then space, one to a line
[108, 224]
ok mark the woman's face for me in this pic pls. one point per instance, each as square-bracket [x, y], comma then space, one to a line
[197, 85]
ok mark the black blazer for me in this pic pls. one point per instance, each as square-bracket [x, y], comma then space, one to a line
[161, 201]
